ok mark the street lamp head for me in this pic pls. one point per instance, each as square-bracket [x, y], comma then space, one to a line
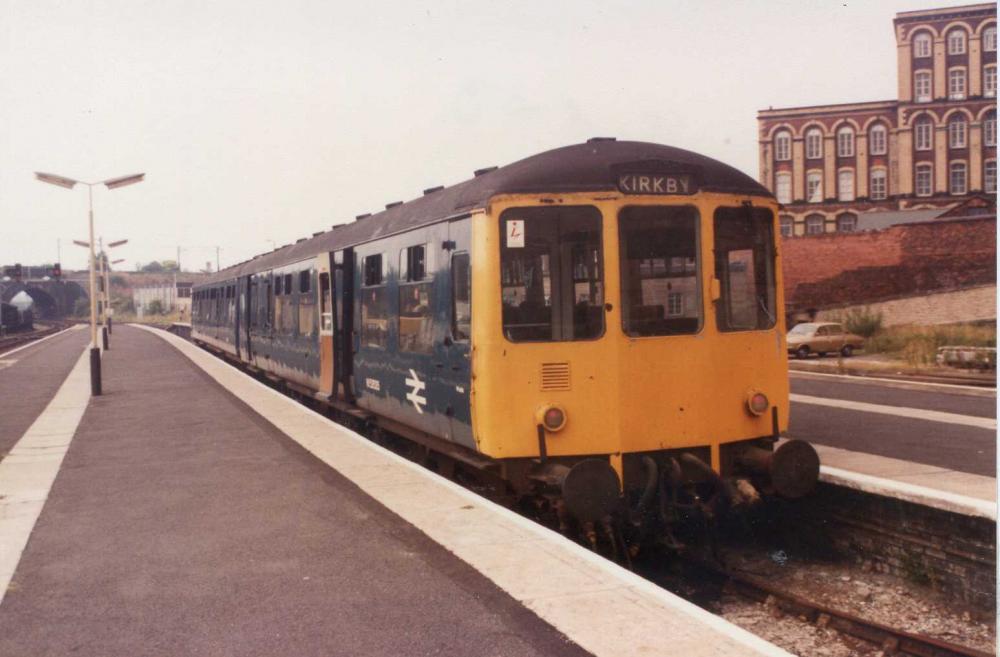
[53, 179]
[85, 245]
[118, 243]
[119, 260]
[115, 183]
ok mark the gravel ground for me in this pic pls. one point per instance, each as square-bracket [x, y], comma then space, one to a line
[856, 589]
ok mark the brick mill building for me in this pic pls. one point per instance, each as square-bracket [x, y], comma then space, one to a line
[934, 146]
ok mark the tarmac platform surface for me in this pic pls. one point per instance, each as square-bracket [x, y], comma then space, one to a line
[195, 511]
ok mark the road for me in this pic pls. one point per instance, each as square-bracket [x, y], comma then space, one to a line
[945, 426]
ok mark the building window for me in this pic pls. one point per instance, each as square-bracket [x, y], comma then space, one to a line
[845, 185]
[845, 142]
[788, 223]
[956, 132]
[990, 39]
[956, 84]
[924, 179]
[815, 224]
[814, 187]
[922, 45]
[990, 176]
[876, 139]
[956, 42]
[814, 144]
[923, 135]
[783, 187]
[782, 146]
[990, 129]
[957, 179]
[990, 81]
[878, 185]
[847, 222]
[922, 86]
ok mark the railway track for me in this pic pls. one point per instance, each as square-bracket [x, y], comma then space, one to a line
[17, 339]
[890, 640]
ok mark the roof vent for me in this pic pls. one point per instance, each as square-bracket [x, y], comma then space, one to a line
[431, 190]
[393, 204]
[318, 233]
[285, 246]
[480, 172]
[362, 216]
[594, 140]
[301, 239]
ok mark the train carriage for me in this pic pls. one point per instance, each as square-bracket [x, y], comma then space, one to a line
[599, 325]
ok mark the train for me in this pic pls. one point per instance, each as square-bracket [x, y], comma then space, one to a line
[17, 314]
[599, 328]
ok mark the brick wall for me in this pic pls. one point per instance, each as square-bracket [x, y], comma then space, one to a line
[838, 269]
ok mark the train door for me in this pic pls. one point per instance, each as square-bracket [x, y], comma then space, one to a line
[325, 305]
[343, 321]
[245, 314]
[456, 346]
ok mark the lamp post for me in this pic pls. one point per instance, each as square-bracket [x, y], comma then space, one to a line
[108, 310]
[111, 183]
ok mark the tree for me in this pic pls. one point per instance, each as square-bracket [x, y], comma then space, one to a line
[155, 307]
[169, 265]
[153, 267]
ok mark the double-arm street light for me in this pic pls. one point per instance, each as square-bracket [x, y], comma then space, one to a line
[111, 183]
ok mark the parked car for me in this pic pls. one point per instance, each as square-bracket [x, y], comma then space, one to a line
[822, 338]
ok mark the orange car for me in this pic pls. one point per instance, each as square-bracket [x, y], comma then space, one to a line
[822, 338]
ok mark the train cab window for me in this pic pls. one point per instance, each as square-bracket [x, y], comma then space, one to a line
[416, 320]
[552, 274]
[744, 267]
[461, 298]
[661, 294]
[374, 303]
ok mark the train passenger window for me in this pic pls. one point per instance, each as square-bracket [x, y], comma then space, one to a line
[661, 293]
[461, 298]
[552, 274]
[744, 266]
[277, 286]
[372, 266]
[374, 303]
[416, 322]
[288, 284]
[303, 282]
[307, 307]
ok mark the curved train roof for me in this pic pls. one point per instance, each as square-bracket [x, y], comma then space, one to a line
[590, 166]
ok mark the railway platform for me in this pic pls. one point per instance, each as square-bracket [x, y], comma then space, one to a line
[193, 510]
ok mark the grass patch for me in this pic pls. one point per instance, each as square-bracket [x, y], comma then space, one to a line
[918, 345]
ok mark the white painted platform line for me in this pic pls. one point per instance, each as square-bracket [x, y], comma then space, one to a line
[903, 383]
[603, 608]
[900, 411]
[28, 471]
[75, 327]
[937, 499]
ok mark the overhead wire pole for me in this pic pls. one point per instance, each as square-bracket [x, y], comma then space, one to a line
[111, 183]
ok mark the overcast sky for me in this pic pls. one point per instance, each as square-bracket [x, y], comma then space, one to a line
[261, 122]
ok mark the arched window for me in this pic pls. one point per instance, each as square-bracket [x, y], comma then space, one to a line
[957, 131]
[922, 86]
[990, 80]
[783, 146]
[877, 139]
[814, 144]
[990, 129]
[990, 176]
[957, 178]
[956, 41]
[923, 134]
[787, 225]
[845, 142]
[956, 84]
[922, 45]
[877, 189]
[814, 187]
[924, 180]
[845, 185]
[847, 222]
[815, 224]
[990, 39]
[783, 187]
